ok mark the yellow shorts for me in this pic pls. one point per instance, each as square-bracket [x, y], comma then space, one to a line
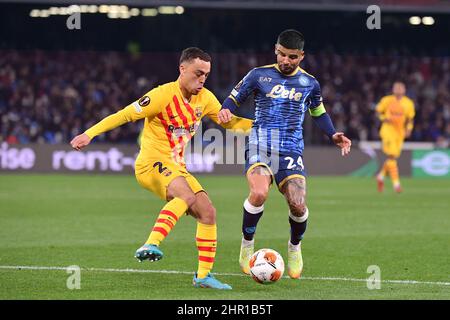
[156, 175]
[392, 145]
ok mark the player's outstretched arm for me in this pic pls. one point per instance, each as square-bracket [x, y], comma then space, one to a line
[107, 124]
[146, 107]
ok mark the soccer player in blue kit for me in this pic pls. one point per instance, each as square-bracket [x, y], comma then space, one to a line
[283, 92]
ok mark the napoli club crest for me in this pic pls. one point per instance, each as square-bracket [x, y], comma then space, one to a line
[303, 80]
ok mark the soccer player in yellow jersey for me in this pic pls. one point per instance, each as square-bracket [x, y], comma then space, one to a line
[172, 114]
[396, 113]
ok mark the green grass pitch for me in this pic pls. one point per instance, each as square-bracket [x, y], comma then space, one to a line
[97, 223]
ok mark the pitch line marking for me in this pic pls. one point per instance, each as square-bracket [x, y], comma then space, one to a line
[438, 283]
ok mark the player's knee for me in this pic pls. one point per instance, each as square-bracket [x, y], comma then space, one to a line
[297, 207]
[258, 196]
[209, 215]
[189, 199]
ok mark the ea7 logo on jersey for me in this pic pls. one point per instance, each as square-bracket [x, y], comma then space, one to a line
[279, 91]
[265, 79]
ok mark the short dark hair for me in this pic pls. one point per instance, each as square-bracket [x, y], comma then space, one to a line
[192, 53]
[291, 39]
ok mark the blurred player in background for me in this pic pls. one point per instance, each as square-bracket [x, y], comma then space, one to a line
[172, 114]
[283, 93]
[396, 112]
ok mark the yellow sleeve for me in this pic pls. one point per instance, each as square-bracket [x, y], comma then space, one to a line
[236, 124]
[381, 108]
[148, 106]
[410, 116]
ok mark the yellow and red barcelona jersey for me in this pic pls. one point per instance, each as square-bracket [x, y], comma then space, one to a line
[170, 121]
[400, 113]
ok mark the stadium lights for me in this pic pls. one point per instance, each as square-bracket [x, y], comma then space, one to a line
[428, 21]
[149, 12]
[53, 10]
[134, 12]
[103, 9]
[63, 11]
[93, 9]
[34, 13]
[44, 13]
[171, 10]
[73, 8]
[111, 11]
[179, 10]
[414, 20]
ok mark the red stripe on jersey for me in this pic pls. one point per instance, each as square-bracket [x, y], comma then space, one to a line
[180, 113]
[206, 240]
[183, 118]
[166, 127]
[160, 230]
[209, 249]
[176, 125]
[190, 110]
[166, 222]
[205, 259]
[172, 120]
[169, 213]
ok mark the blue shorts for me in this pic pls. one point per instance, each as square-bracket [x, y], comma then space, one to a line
[282, 166]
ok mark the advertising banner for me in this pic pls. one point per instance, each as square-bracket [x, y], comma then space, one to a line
[435, 163]
[119, 159]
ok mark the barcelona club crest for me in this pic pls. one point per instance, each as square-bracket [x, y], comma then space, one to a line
[198, 112]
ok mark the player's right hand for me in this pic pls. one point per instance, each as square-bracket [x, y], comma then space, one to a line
[225, 116]
[80, 141]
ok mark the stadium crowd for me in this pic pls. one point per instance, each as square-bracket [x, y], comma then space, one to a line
[49, 97]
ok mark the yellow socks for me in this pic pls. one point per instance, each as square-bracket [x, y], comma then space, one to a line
[390, 168]
[167, 219]
[206, 239]
[393, 171]
[206, 236]
[384, 170]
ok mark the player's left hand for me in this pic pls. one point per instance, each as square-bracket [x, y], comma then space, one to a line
[225, 116]
[342, 142]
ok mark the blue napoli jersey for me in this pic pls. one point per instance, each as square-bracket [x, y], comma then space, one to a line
[281, 102]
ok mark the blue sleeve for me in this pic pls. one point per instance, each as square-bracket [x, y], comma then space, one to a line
[229, 104]
[325, 124]
[244, 88]
[315, 98]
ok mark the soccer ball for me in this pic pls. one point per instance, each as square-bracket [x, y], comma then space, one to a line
[266, 266]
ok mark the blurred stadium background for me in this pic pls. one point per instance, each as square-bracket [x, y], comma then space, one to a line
[56, 82]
